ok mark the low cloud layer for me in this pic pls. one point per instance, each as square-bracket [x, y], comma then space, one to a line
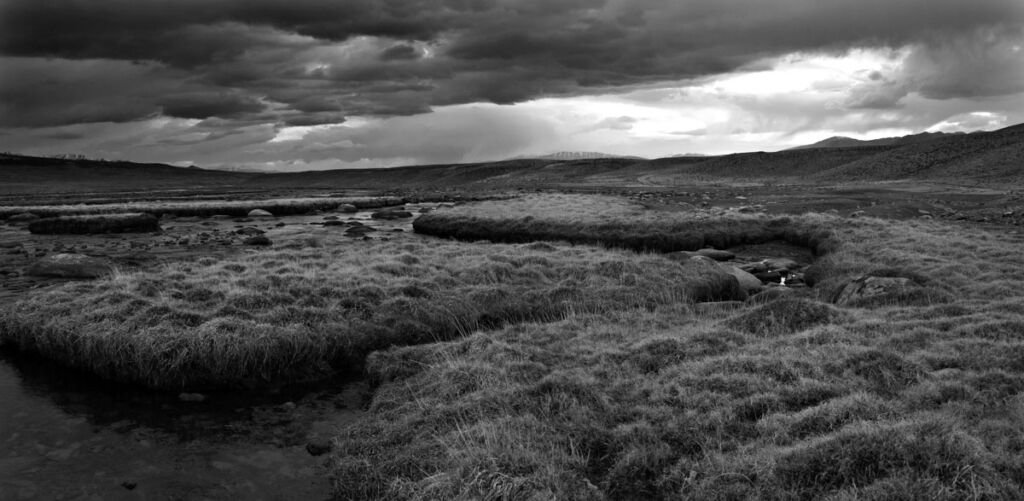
[243, 65]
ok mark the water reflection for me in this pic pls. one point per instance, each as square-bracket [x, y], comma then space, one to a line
[67, 435]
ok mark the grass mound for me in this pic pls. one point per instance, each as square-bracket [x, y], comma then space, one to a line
[296, 314]
[784, 316]
[547, 218]
[103, 223]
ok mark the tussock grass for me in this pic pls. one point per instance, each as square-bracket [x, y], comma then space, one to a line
[301, 313]
[101, 223]
[914, 396]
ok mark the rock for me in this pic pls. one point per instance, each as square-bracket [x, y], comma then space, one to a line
[717, 255]
[257, 240]
[191, 397]
[391, 214]
[857, 213]
[347, 208]
[752, 268]
[358, 231]
[250, 231]
[70, 266]
[220, 217]
[425, 210]
[782, 263]
[749, 283]
[319, 447]
[259, 213]
[331, 218]
[333, 222]
[870, 286]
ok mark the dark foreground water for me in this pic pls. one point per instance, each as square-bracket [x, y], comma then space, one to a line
[66, 435]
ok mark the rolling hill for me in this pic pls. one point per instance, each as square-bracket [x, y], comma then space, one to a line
[995, 157]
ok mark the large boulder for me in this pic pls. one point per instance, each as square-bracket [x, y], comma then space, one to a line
[749, 283]
[868, 286]
[347, 208]
[259, 213]
[70, 266]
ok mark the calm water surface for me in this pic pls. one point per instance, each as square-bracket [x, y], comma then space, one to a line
[66, 435]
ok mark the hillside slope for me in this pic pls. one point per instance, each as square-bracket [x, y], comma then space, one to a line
[996, 156]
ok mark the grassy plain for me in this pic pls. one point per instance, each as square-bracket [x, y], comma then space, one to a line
[550, 370]
[913, 395]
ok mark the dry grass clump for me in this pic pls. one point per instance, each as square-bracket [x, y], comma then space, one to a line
[891, 398]
[300, 313]
[102, 223]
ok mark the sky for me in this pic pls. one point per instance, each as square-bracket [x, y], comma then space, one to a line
[324, 84]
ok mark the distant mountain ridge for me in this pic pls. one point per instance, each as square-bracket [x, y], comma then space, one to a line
[849, 142]
[574, 155]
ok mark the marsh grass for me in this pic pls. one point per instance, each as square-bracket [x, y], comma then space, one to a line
[310, 309]
[903, 397]
[204, 208]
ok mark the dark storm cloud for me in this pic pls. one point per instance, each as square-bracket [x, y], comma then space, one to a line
[276, 60]
[208, 104]
[397, 52]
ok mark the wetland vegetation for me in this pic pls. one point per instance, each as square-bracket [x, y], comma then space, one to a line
[557, 348]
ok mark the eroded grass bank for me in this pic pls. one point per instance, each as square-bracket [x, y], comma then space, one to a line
[911, 395]
[614, 222]
[310, 308]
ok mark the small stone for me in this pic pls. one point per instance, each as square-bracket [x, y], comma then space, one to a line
[259, 213]
[129, 485]
[391, 214]
[249, 230]
[319, 447]
[191, 397]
